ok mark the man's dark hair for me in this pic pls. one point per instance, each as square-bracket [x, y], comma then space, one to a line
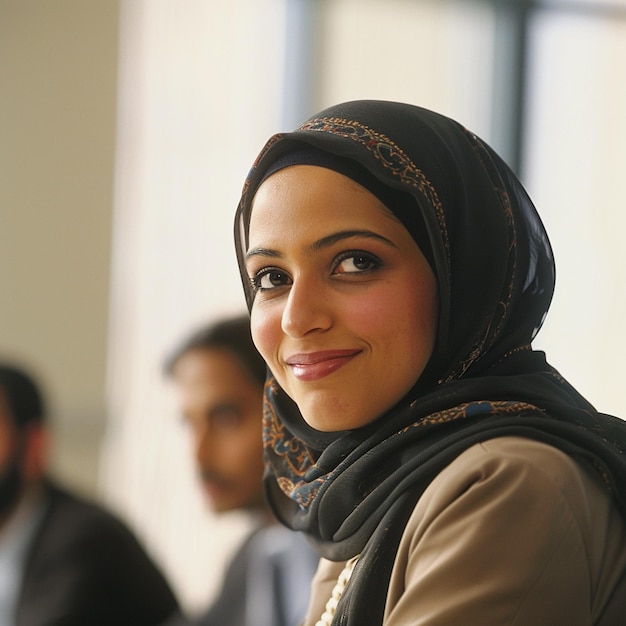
[23, 396]
[233, 335]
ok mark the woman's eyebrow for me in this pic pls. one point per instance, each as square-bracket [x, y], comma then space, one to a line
[324, 242]
[263, 252]
[329, 240]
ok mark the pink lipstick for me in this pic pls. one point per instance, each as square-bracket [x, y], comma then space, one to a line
[312, 366]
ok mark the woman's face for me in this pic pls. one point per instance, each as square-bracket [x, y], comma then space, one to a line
[346, 305]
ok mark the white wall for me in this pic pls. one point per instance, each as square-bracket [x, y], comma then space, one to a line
[433, 53]
[200, 91]
[576, 160]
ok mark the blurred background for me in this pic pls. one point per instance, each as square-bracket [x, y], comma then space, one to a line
[126, 131]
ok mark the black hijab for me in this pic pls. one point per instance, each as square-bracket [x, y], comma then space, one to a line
[352, 491]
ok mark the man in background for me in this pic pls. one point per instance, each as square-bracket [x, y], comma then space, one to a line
[218, 377]
[63, 560]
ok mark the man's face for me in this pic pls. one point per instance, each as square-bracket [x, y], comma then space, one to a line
[11, 478]
[222, 405]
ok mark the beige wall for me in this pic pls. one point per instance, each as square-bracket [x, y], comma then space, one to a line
[57, 126]
[200, 90]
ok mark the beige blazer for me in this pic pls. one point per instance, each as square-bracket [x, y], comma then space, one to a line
[512, 532]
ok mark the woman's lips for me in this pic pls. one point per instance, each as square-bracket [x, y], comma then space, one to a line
[315, 365]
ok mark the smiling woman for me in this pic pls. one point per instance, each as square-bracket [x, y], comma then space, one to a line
[324, 254]
[397, 274]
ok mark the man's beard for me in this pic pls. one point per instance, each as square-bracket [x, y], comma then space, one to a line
[11, 483]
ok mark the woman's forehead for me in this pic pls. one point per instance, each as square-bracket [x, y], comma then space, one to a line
[316, 189]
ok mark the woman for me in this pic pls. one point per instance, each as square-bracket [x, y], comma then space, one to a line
[397, 273]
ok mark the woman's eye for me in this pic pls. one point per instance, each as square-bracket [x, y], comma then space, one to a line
[356, 262]
[269, 278]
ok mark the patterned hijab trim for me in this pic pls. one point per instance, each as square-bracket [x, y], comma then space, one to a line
[303, 478]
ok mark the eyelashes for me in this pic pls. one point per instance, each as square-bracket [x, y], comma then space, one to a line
[356, 262]
[269, 278]
[347, 264]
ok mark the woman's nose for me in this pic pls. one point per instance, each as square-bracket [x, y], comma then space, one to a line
[307, 309]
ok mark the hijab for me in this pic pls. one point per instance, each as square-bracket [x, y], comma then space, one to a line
[352, 492]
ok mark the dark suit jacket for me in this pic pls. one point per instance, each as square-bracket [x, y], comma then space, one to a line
[85, 568]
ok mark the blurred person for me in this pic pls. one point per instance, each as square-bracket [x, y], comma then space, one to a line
[63, 560]
[218, 378]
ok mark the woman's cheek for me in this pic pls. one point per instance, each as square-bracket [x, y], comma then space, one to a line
[373, 313]
[265, 330]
